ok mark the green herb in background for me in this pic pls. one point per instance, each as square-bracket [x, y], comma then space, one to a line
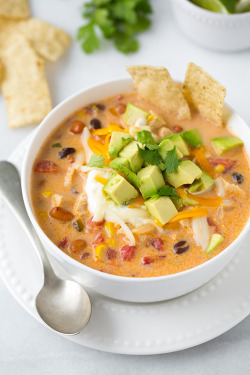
[118, 20]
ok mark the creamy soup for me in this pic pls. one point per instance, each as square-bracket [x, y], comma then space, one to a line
[97, 214]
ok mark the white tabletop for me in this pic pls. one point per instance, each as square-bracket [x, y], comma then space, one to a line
[26, 347]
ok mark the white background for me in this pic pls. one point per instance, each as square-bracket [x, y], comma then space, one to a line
[26, 347]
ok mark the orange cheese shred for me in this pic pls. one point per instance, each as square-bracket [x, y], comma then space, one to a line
[97, 147]
[193, 212]
[202, 161]
[102, 180]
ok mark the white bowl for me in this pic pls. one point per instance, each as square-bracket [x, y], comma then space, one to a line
[123, 288]
[223, 32]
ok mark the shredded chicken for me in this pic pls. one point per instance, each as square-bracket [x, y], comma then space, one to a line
[144, 229]
[81, 205]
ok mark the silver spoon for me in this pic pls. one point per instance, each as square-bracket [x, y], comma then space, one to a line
[62, 304]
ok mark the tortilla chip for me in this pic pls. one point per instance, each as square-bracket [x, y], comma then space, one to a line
[14, 9]
[49, 41]
[155, 85]
[24, 86]
[204, 93]
[1, 71]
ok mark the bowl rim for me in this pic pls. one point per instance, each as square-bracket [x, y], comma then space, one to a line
[215, 15]
[59, 254]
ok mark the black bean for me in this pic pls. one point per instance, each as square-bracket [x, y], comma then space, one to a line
[65, 152]
[237, 177]
[95, 123]
[180, 247]
[100, 106]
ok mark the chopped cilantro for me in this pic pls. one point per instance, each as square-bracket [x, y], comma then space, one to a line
[150, 156]
[56, 145]
[118, 20]
[168, 191]
[145, 137]
[171, 162]
[96, 161]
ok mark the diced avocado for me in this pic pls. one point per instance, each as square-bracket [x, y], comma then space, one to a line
[204, 183]
[133, 113]
[223, 144]
[186, 173]
[162, 209]
[165, 146]
[215, 241]
[192, 137]
[119, 189]
[179, 142]
[151, 180]
[177, 202]
[131, 153]
[119, 162]
[118, 140]
[122, 165]
[189, 202]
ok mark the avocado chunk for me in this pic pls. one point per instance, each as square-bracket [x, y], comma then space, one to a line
[120, 190]
[122, 165]
[179, 142]
[215, 241]
[131, 153]
[162, 209]
[192, 137]
[165, 146]
[118, 140]
[118, 163]
[151, 180]
[186, 173]
[223, 144]
[204, 183]
[133, 113]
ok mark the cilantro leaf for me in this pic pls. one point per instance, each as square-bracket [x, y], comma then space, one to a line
[90, 41]
[168, 191]
[126, 44]
[150, 156]
[119, 20]
[145, 137]
[171, 162]
[96, 161]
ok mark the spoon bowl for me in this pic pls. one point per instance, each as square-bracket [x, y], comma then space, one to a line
[63, 305]
[60, 304]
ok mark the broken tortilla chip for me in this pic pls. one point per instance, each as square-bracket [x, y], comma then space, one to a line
[1, 71]
[204, 93]
[14, 9]
[49, 41]
[155, 85]
[24, 85]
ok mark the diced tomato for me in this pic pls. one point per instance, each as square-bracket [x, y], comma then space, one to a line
[99, 239]
[46, 166]
[94, 226]
[62, 244]
[147, 260]
[157, 243]
[227, 163]
[127, 252]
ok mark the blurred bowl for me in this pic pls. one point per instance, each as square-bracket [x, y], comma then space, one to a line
[217, 31]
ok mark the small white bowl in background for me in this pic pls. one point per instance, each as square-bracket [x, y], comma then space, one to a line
[217, 31]
[148, 289]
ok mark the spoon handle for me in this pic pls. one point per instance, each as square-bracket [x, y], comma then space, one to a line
[10, 189]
